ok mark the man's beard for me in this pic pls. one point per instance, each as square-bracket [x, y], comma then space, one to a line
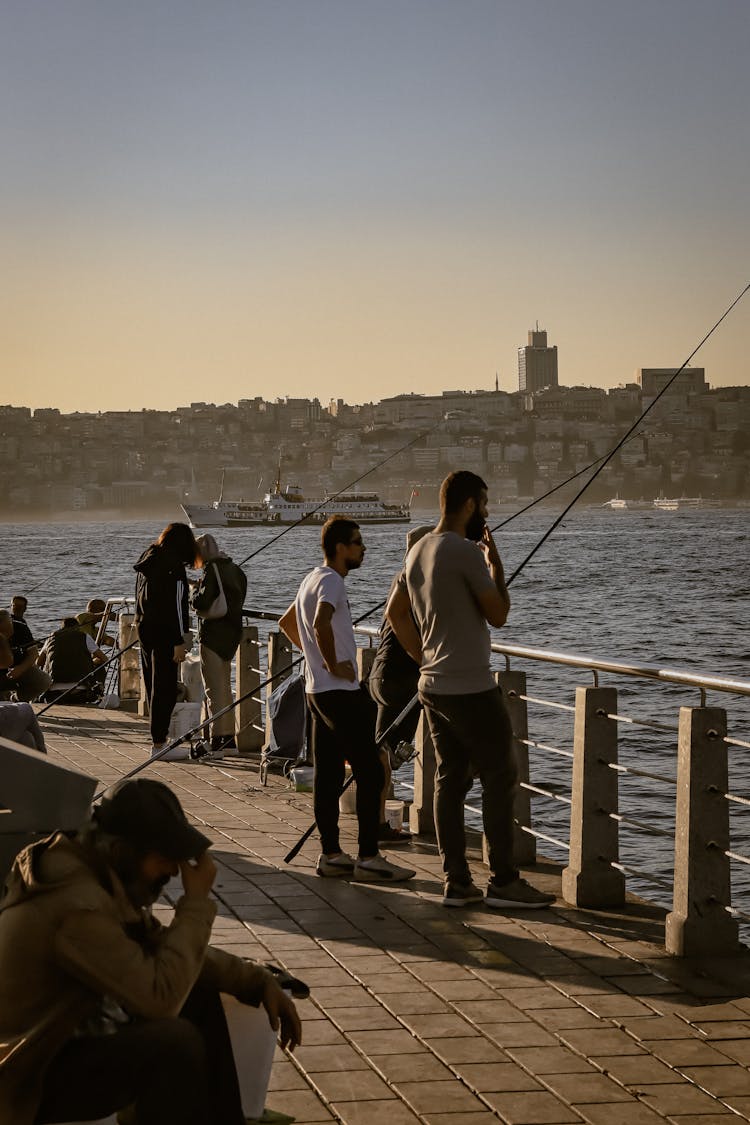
[140, 891]
[353, 564]
[475, 527]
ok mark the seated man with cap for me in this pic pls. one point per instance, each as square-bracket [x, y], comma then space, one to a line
[102, 1009]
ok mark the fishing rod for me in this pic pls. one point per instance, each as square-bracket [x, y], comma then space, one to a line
[625, 438]
[328, 499]
[378, 742]
[94, 670]
[603, 462]
[266, 616]
[241, 699]
[519, 568]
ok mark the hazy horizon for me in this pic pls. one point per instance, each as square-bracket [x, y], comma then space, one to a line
[348, 199]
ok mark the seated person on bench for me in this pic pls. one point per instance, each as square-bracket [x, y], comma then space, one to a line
[104, 1010]
[70, 656]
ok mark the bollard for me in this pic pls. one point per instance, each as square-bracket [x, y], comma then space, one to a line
[513, 685]
[248, 720]
[280, 657]
[589, 880]
[699, 922]
[422, 812]
[365, 658]
[129, 670]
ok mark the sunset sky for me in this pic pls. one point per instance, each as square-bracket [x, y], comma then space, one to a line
[357, 198]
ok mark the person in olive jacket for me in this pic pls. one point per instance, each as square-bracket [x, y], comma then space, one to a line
[102, 1009]
[218, 637]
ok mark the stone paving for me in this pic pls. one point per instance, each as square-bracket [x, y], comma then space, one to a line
[460, 1017]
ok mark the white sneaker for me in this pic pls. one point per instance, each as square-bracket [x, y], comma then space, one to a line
[176, 754]
[336, 866]
[378, 869]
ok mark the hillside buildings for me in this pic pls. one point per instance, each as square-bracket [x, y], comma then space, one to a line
[695, 441]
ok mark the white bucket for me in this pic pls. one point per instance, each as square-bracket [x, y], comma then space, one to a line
[253, 1045]
[184, 717]
[302, 778]
[394, 814]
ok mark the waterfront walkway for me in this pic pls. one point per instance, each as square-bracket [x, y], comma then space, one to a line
[461, 1017]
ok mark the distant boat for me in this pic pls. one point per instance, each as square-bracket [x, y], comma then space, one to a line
[674, 504]
[616, 504]
[289, 506]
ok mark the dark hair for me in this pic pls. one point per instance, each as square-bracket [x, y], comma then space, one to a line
[457, 488]
[69, 623]
[20, 598]
[337, 529]
[178, 540]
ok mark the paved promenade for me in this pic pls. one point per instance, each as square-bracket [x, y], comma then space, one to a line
[461, 1017]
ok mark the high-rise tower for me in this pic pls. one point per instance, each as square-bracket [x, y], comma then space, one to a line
[537, 363]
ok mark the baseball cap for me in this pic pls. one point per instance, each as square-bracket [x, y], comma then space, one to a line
[147, 813]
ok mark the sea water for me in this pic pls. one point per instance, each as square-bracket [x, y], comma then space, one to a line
[666, 588]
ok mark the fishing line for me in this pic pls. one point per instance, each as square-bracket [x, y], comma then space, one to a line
[267, 616]
[328, 499]
[622, 440]
[603, 462]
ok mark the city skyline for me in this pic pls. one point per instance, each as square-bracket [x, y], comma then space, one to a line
[345, 199]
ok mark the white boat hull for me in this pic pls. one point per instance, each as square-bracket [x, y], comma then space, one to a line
[280, 512]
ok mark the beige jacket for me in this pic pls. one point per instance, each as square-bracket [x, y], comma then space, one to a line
[64, 946]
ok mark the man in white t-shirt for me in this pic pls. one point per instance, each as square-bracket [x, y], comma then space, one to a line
[455, 587]
[343, 714]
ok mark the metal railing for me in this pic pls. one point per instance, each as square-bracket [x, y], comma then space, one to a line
[683, 758]
[687, 792]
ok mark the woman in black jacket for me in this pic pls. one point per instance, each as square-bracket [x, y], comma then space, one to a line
[161, 620]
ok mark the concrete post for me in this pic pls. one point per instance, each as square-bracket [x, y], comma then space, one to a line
[129, 665]
[365, 658]
[247, 714]
[421, 812]
[699, 922]
[280, 657]
[589, 880]
[513, 686]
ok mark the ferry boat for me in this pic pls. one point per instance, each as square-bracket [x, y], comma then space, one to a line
[665, 504]
[616, 504]
[288, 505]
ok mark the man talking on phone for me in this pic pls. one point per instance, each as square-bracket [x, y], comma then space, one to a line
[102, 1009]
[455, 588]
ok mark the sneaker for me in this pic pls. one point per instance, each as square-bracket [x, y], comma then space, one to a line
[271, 1117]
[380, 870]
[461, 894]
[519, 893]
[331, 867]
[393, 836]
[176, 754]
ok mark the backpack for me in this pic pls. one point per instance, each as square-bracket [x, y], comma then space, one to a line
[287, 711]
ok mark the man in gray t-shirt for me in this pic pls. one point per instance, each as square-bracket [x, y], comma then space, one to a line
[455, 588]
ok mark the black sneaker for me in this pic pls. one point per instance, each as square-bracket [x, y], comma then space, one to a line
[393, 836]
[461, 894]
[518, 894]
